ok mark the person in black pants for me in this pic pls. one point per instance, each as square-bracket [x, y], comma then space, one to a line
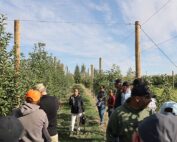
[50, 105]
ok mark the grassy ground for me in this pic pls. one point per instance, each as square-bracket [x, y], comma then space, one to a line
[92, 132]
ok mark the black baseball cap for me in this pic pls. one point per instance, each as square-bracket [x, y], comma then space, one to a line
[141, 90]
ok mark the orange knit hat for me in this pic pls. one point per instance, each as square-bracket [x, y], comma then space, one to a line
[34, 95]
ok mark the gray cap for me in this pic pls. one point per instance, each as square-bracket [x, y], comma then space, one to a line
[159, 128]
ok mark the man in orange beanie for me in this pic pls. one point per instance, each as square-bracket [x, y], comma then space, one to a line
[33, 119]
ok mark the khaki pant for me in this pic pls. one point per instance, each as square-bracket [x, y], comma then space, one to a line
[75, 118]
[54, 138]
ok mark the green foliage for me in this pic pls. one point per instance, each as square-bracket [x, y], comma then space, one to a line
[166, 95]
[87, 82]
[80, 87]
[83, 71]
[41, 67]
[130, 75]
[38, 68]
[114, 73]
[106, 78]
[160, 80]
[7, 75]
[77, 75]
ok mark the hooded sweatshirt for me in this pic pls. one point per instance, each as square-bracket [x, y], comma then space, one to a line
[34, 121]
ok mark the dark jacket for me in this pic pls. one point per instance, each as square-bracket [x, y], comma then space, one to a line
[50, 105]
[123, 122]
[76, 104]
[118, 99]
[101, 99]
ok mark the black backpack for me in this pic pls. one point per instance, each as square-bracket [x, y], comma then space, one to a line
[83, 119]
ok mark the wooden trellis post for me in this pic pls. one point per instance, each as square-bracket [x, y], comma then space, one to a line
[17, 45]
[137, 50]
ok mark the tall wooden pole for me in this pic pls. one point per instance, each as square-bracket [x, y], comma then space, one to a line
[137, 50]
[100, 65]
[17, 45]
[17, 57]
[173, 79]
[62, 67]
[92, 72]
[92, 77]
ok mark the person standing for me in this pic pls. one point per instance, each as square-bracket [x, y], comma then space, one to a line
[152, 105]
[110, 102]
[118, 86]
[157, 128]
[77, 108]
[50, 105]
[101, 104]
[125, 119]
[126, 92]
[11, 129]
[33, 119]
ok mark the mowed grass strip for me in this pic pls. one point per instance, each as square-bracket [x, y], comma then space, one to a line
[90, 132]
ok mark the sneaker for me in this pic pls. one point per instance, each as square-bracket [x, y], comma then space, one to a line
[78, 130]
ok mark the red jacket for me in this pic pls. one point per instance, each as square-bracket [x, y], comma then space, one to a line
[111, 101]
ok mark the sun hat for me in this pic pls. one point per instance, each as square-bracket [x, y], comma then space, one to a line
[34, 95]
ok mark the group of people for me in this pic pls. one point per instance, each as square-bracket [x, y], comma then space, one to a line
[131, 110]
[113, 100]
[133, 121]
[34, 121]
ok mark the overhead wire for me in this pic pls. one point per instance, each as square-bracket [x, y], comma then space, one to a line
[72, 22]
[156, 12]
[156, 45]
[164, 41]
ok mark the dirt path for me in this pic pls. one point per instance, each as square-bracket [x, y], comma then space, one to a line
[91, 132]
[93, 102]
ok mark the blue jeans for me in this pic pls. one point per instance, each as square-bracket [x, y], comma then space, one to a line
[101, 111]
[110, 111]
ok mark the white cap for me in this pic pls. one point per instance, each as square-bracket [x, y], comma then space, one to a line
[169, 104]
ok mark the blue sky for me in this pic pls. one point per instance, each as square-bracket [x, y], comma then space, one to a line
[81, 31]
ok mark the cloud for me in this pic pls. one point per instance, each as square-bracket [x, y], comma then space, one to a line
[79, 32]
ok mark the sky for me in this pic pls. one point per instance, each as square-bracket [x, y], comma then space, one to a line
[81, 31]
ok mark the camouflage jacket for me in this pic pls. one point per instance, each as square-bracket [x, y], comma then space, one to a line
[123, 122]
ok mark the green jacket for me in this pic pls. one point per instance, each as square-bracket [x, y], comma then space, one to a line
[123, 122]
